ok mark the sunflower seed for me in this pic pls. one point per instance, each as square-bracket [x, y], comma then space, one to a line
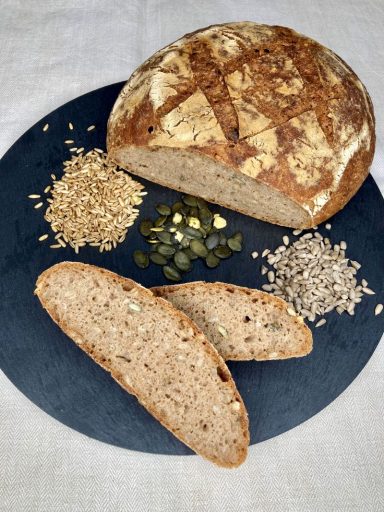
[265, 253]
[368, 291]
[255, 254]
[222, 330]
[134, 307]
[45, 127]
[320, 322]
[378, 309]
[43, 237]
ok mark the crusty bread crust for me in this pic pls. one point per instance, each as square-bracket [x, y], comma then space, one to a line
[210, 351]
[280, 304]
[263, 101]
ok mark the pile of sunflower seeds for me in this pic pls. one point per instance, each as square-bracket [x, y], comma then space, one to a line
[314, 277]
[184, 232]
[93, 203]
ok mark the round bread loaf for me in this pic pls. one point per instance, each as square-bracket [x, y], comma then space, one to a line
[256, 118]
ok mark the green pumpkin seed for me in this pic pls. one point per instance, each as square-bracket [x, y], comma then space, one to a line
[203, 232]
[238, 236]
[165, 237]
[171, 273]
[177, 207]
[184, 243]
[163, 209]
[222, 252]
[201, 203]
[212, 241]
[190, 200]
[193, 212]
[191, 232]
[182, 261]
[191, 255]
[212, 261]
[198, 248]
[160, 221]
[166, 250]
[205, 217]
[158, 259]
[141, 259]
[145, 227]
[234, 244]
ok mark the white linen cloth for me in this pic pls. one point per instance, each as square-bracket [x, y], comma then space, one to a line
[53, 51]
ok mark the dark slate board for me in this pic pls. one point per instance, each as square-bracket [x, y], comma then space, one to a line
[58, 377]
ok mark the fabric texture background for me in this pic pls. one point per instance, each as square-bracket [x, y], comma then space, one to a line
[53, 51]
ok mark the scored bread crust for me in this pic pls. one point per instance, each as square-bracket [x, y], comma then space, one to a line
[208, 348]
[305, 348]
[264, 103]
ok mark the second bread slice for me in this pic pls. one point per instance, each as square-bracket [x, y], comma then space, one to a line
[242, 323]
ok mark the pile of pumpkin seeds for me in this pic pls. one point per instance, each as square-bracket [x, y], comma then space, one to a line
[182, 233]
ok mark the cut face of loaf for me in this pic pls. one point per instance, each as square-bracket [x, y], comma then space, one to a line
[154, 352]
[241, 323]
[257, 118]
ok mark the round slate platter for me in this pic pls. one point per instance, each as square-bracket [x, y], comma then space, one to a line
[58, 377]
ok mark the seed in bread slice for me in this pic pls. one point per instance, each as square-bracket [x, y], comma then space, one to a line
[241, 323]
[154, 352]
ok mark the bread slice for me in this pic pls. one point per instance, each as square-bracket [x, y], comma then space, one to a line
[154, 352]
[240, 322]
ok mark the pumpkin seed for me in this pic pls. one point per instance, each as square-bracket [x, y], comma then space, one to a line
[160, 221]
[141, 259]
[191, 255]
[166, 250]
[198, 248]
[201, 203]
[212, 261]
[171, 273]
[145, 227]
[163, 209]
[192, 232]
[238, 236]
[190, 200]
[165, 237]
[193, 212]
[222, 252]
[223, 239]
[234, 244]
[212, 241]
[158, 259]
[205, 216]
[177, 207]
[184, 242]
[182, 261]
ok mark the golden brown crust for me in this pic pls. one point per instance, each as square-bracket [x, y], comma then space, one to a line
[209, 349]
[264, 101]
[306, 348]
